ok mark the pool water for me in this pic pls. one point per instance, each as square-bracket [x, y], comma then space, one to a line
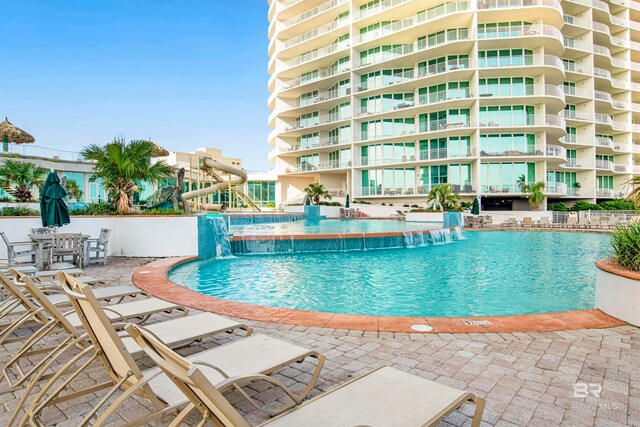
[486, 274]
[331, 226]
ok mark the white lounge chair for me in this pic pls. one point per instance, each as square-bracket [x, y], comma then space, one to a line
[256, 355]
[384, 397]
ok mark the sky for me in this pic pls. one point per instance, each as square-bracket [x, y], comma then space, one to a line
[185, 73]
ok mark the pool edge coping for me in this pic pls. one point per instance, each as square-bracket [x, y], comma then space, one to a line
[153, 278]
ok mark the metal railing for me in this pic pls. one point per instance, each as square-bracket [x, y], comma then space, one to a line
[313, 12]
[524, 120]
[44, 153]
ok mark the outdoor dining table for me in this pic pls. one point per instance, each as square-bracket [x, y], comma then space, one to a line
[42, 244]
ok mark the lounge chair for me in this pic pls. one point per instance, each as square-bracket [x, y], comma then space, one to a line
[256, 355]
[527, 221]
[583, 223]
[176, 333]
[572, 221]
[544, 222]
[510, 222]
[399, 215]
[26, 310]
[595, 222]
[384, 397]
[13, 253]
[613, 222]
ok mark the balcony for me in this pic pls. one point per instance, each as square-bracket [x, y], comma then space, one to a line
[419, 190]
[445, 124]
[527, 30]
[316, 32]
[605, 193]
[574, 163]
[23, 150]
[573, 191]
[604, 142]
[317, 121]
[608, 120]
[322, 142]
[508, 4]
[313, 12]
[381, 161]
[575, 115]
[521, 61]
[524, 120]
[533, 151]
[501, 189]
[445, 153]
[321, 166]
[377, 8]
[320, 97]
[419, 19]
[319, 53]
[556, 188]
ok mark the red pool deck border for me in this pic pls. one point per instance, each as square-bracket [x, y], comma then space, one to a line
[153, 279]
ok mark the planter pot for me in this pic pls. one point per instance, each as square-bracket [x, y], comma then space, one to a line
[618, 291]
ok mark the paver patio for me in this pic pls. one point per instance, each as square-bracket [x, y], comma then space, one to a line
[527, 378]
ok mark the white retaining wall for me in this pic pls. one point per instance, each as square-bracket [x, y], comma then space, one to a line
[618, 296]
[134, 236]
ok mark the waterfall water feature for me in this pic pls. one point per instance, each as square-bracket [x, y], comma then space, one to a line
[213, 237]
[264, 218]
[409, 239]
[439, 237]
[457, 233]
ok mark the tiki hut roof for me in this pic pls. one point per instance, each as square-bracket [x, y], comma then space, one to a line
[14, 134]
[158, 151]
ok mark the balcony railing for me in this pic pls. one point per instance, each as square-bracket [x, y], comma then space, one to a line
[382, 190]
[604, 142]
[525, 120]
[520, 61]
[385, 107]
[605, 192]
[317, 121]
[446, 153]
[313, 12]
[45, 153]
[315, 54]
[521, 31]
[444, 95]
[604, 164]
[501, 188]
[378, 7]
[558, 188]
[321, 97]
[386, 80]
[578, 164]
[323, 29]
[420, 18]
[322, 142]
[324, 165]
[537, 150]
[445, 124]
[575, 115]
[386, 55]
[322, 74]
[508, 4]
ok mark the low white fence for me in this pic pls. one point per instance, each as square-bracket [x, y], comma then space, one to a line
[134, 236]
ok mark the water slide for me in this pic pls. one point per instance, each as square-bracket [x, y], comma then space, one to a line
[240, 177]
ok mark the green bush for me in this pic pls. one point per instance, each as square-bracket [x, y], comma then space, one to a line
[559, 207]
[618, 205]
[584, 206]
[19, 211]
[625, 242]
[169, 211]
[362, 202]
[95, 209]
[323, 203]
[270, 205]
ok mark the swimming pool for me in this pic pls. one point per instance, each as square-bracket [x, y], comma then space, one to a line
[486, 274]
[331, 226]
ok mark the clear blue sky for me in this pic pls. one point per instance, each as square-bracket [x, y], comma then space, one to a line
[187, 73]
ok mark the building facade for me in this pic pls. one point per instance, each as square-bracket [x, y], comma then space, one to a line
[385, 99]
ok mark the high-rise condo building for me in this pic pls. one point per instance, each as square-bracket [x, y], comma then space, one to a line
[385, 99]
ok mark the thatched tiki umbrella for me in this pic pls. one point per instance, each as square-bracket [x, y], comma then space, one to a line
[158, 151]
[10, 133]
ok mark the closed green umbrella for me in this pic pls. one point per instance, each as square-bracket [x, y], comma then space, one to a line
[475, 208]
[346, 203]
[53, 209]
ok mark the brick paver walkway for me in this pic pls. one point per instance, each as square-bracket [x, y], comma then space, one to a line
[527, 378]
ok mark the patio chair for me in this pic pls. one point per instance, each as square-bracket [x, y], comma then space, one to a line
[256, 355]
[595, 222]
[613, 222]
[544, 222]
[510, 222]
[98, 247]
[572, 222]
[65, 245]
[176, 333]
[384, 397]
[527, 221]
[583, 223]
[399, 215]
[13, 253]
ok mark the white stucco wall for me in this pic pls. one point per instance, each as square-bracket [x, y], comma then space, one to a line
[135, 236]
[618, 296]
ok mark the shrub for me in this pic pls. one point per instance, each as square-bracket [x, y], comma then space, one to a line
[618, 205]
[584, 206]
[558, 207]
[323, 203]
[415, 206]
[362, 202]
[19, 211]
[405, 206]
[270, 205]
[168, 211]
[102, 208]
[625, 242]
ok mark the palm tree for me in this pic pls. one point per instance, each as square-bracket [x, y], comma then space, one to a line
[22, 177]
[72, 187]
[120, 165]
[534, 192]
[634, 190]
[441, 197]
[315, 192]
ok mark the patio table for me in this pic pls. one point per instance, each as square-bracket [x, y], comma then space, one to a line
[42, 243]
